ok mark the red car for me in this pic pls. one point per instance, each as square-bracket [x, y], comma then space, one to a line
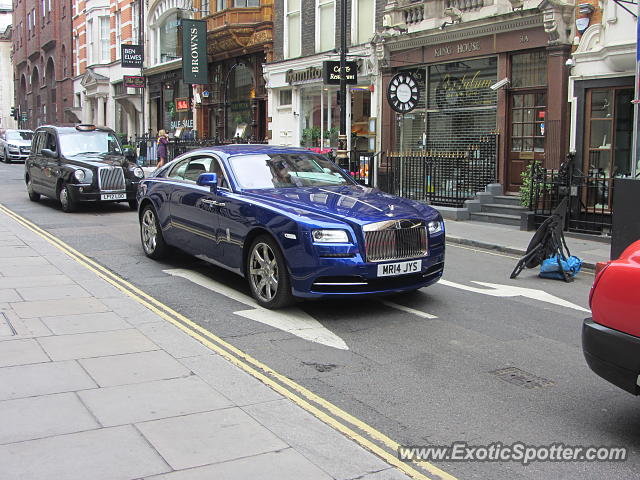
[611, 337]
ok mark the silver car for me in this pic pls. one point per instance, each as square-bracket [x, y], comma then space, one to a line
[15, 145]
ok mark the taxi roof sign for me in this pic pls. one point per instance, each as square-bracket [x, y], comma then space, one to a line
[85, 127]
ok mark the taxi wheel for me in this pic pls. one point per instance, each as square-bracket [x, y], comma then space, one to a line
[153, 242]
[67, 204]
[33, 196]
[267, 274]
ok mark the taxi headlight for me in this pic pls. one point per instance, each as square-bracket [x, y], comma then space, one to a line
[79, 175]
[138, 172]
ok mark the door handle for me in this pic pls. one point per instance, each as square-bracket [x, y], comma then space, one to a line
[213, 203]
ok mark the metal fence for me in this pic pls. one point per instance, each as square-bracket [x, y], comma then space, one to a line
[590, 197]
[446, 178]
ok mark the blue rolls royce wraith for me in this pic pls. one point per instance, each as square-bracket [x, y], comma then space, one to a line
[291, 222]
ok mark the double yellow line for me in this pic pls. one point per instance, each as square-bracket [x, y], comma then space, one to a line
[362, 433]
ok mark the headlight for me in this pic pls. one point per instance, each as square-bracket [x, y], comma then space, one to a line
[14, 147]
[330, 236]
[435, 226]
[79, 175]
[138, 172]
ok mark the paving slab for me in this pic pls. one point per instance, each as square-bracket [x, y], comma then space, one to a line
[280, 465]
[101, 344]
[24, 327]
[133, 368]
[173, 340]
[21, 352]
[387, 474]
[228, 434]
[233, 383]
[85, 323]
[58, 307]
[152, 400]
[39, 281]
[29, 270]
[324, 446]
[43, 379]
[125, 306]
[119, 453]
[19, 255]
[44, 416]
[51, 292]
[9, 295]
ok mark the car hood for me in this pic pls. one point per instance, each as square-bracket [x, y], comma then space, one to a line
[354, 203]
[114, 161]
[20, 143]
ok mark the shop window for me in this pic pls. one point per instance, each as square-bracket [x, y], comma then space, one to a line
[169, 41]
[529, 69]
[239, 96]
[364, 16]
[285, 98]
[292, 29]
[325, 25]
[319, 117]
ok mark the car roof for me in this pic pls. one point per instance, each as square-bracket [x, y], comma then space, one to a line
[17, 130]
[72, 128]
[248, 149]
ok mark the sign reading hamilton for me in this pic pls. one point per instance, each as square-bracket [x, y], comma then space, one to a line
[131, 56]
[194, 51]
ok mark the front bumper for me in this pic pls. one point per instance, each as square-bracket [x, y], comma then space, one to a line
[85, 193]
[334, 277]
[612, 354]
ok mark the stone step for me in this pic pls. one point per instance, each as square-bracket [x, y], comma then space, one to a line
[502, 208]
[500, 218]
[507, 199]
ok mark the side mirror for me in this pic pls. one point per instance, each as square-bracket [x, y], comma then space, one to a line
[130, 155]
[208, 180]
[47, 152]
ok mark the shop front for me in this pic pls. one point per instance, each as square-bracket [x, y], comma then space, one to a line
[484, 88]
[171, 104]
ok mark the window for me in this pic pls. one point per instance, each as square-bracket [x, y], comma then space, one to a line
[191, 168]
[221, 5]
[118, 35]
[528, 112]
[204, 8]
[29, 22]
[285, 98]
[326, 25]
[169, 41]
[529, 69]
[246, 3]
[105, 34]
[89, 41]
[43, 9]
[135, 18]
[364, 15]
[292, 29]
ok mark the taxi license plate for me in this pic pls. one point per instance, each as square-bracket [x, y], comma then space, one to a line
[113, 196]
[399, 268]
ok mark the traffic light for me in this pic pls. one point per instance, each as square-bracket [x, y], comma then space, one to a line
[14, 113]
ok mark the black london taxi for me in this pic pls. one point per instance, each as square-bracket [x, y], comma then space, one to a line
[82, 163]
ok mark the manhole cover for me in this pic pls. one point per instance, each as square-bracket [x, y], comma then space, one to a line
[521, 378]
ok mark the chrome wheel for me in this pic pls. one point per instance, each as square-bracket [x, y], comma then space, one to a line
[149, 232]
[263, 272]
[65, 200]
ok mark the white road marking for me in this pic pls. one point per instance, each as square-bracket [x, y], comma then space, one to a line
[292, 320]
[498, 290]
[407, 309]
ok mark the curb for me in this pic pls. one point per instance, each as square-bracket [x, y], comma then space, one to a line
[502, 249]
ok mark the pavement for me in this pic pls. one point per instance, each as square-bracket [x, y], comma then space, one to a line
[93, 384]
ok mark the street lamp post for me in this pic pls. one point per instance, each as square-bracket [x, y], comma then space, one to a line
[342, 137]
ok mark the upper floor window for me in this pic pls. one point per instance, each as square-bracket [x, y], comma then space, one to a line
[246, 3]
[135, 18]
[43, 9]
[363, 25]
[221, 5]
[169, 41]
[325, 25]
[118, 34]
[292, 29]
[90, 43]
[204, 8]
[105, 39]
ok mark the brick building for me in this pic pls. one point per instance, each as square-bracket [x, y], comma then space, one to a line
[6, 80]
[42, 61]
[100, 27]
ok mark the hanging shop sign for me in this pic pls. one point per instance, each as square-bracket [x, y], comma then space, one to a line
[403, 94]
[182, 104]
[131, 56]
[331, 73]
[133, 81]
[194, 51]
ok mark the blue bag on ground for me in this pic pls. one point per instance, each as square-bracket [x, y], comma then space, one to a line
[559, 267]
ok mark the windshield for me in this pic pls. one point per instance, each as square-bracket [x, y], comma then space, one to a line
[285, 170]
[99, 143]
[16, 135]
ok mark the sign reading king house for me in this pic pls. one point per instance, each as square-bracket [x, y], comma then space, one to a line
[131, 56]
[194, 51]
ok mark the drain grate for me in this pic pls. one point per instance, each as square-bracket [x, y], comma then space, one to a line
[521, 378]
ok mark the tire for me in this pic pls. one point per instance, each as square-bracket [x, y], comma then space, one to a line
[33, 196]
[151, 237]
[268, 275]
[133, 204]
[66, 203]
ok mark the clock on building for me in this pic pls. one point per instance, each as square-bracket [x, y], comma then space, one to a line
[403, 93]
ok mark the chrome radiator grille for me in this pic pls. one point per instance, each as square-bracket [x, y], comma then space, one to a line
[395, 240]
[111, 178]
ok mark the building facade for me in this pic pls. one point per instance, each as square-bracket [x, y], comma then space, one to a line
[42, 57]
[601, 88]
[6, 81]
[303, 109]
[100, 27]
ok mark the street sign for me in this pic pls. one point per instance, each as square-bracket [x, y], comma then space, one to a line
[133, 81]
[331, 72]
[194, 51]
[131, 56]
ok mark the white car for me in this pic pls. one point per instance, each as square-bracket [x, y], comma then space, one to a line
[15, 145]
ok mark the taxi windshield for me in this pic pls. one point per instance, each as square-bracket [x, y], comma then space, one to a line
[286, 170]
[89, 143]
